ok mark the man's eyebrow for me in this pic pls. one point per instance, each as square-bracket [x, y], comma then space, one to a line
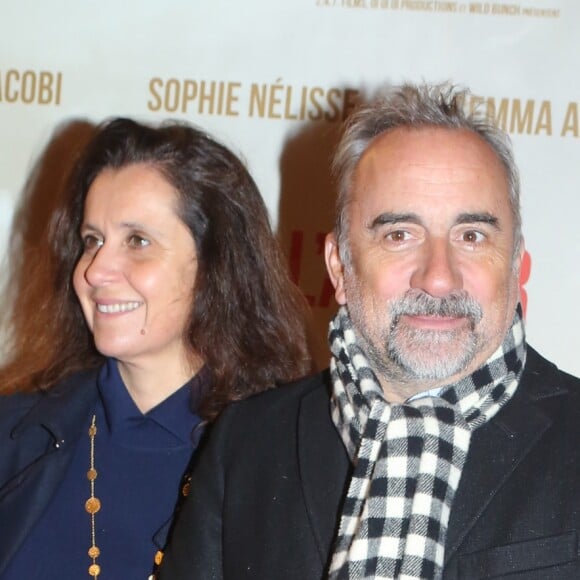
[388, 218]
[478, 218]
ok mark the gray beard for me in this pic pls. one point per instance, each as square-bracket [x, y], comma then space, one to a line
[404, 354]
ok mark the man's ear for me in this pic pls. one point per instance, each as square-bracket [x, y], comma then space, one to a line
[335, 267]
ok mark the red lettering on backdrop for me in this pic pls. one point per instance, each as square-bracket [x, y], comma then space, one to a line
[298, 254]
[295, 260]
[524, 277]
[295, 257]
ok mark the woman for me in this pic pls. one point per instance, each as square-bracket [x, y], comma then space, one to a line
[170, 300]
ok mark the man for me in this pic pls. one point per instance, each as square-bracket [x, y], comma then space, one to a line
[439, 445]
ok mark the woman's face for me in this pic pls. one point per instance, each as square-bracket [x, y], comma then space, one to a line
[135, 277]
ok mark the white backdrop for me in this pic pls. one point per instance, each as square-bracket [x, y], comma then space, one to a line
[272, 78]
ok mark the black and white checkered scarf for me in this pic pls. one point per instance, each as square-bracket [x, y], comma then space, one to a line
[407, 458]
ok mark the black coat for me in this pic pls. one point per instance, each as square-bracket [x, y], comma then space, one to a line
[266, 496]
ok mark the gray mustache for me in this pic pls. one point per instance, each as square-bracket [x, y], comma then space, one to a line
[414, 303]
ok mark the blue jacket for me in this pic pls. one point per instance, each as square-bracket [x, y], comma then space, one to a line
[38, 434]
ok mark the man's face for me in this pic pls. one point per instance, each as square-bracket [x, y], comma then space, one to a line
[433, 281]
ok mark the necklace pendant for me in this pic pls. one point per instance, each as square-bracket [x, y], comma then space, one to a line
[93, 505]
[94, 570]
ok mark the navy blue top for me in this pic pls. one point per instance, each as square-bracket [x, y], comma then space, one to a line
[140, 460]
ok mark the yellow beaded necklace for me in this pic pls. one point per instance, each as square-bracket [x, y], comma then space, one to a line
[93, 506]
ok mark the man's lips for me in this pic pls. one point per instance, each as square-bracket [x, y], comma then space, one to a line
[435, 322]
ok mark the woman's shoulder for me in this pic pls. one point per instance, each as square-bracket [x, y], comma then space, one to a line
[20, 402]
[15, 406]
[13, 409]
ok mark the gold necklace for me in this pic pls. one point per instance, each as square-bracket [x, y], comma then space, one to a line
[93, 504]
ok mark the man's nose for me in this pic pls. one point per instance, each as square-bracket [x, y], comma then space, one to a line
[437, 272]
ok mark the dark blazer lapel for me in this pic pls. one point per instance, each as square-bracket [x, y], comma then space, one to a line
[48, 434]
[498, 448]
[324, 468]
[22, 505]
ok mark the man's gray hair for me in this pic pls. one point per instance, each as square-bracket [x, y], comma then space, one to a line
[415, 107]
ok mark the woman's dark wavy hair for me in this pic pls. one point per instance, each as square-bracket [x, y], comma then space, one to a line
[247, 317]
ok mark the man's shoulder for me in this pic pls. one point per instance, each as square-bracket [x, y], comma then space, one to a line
[544, 378]
[550, 389]
[277, 409]
[289, 394]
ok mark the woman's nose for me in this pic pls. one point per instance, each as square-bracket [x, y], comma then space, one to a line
[103, 267]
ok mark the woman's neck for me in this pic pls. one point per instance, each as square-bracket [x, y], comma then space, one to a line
[150, 385]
